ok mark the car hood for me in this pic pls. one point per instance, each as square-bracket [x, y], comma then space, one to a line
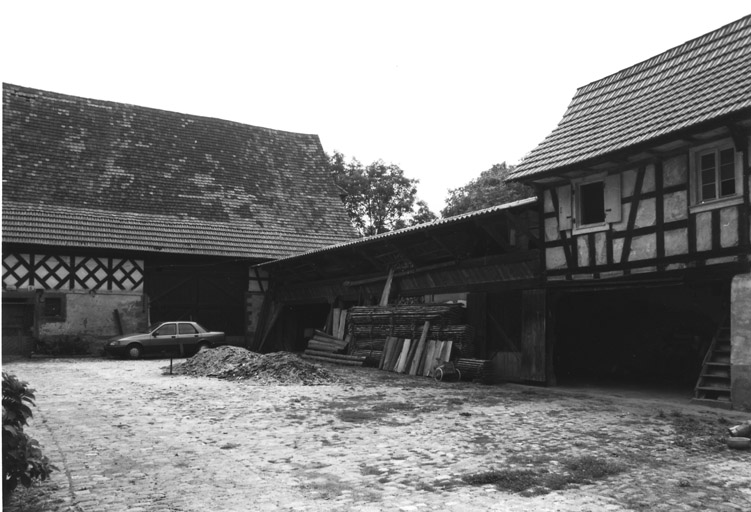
[139, 336]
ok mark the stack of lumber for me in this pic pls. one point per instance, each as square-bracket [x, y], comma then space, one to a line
[326, 342]
[371, 326]
[327, 348]
[480, 370]
[407, 314]
[374, 336]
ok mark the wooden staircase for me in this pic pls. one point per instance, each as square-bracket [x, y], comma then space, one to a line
[713, 386]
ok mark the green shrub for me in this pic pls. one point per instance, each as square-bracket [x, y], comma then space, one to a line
[23, 460]
[62, 346]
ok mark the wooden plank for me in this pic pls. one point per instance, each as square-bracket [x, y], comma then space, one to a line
[533, 335]
[325, 335]
[333, 356]
[429, 351]
[419, 348]
[436, 356]
[446, 352]
[343, 324]
[387, 348]
[402, 361]
[335, 318]
[387, 288]
[332, 360]
[395, 354]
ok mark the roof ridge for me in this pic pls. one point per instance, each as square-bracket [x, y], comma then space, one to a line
[704, 40]
[32, 93]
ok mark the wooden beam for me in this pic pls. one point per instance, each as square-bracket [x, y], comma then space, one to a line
[520, 226]
[387, 288]
[636, 199]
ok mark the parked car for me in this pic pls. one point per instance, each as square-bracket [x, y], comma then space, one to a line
[164, 337]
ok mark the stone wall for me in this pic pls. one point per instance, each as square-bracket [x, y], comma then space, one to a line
[91, 316]
[740, 333]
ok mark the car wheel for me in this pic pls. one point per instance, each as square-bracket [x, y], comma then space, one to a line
[202, 347]
[134, 351]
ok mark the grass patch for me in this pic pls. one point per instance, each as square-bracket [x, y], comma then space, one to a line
[358, 416]
[695, 433]
[542, 480]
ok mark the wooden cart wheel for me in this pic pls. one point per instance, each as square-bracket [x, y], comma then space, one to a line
[438, 374]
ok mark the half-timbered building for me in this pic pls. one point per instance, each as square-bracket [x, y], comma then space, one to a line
[633, 265]
[644, 188]
[117, 215]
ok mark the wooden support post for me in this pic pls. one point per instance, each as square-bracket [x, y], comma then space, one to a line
[387, 288]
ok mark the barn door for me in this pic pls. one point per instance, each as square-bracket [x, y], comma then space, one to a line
[533, 335]
[18, 322]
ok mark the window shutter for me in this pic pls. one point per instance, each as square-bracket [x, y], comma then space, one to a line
[613, 198]
[565, 220]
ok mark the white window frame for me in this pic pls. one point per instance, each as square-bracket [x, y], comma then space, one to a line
[569, 209]
[695, 179]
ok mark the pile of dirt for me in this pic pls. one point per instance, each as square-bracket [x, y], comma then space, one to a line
[235, 363]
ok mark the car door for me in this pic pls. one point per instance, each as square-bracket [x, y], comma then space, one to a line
[187, 334]
[164, 338]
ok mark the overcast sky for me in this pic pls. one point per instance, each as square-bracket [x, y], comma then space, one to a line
[442, 89]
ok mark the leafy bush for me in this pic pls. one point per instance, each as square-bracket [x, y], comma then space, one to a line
[62, 346]
[23, 460]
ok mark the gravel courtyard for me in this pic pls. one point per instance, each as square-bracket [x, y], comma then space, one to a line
[124, 436]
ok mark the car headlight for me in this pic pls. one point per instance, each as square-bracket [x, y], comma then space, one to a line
[113, 343]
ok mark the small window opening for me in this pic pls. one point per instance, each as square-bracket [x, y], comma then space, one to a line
[53, 307]
[592, 203]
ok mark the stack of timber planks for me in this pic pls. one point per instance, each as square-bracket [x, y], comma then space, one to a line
[414, 356]
[330, 348]
[372, 326]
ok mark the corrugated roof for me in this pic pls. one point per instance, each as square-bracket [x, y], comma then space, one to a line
[81, 172]
[419, 227]
[703, 79]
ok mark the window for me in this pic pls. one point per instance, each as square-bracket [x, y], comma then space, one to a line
[590, 204]
[186, 329]
[54, 308]
[716, 174]
[166, 330]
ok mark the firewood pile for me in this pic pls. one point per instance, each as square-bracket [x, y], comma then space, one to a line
[235, 363]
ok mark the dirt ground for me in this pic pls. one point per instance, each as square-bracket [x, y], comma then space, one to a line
[126, 437]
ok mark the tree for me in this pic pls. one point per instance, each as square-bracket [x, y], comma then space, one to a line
[379, 197]
[488, 189]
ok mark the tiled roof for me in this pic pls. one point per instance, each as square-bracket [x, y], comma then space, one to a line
[89, 173]
[703, 79]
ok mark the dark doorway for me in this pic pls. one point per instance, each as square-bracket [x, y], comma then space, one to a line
[18, 325]
[647, 335]
[210, 293]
